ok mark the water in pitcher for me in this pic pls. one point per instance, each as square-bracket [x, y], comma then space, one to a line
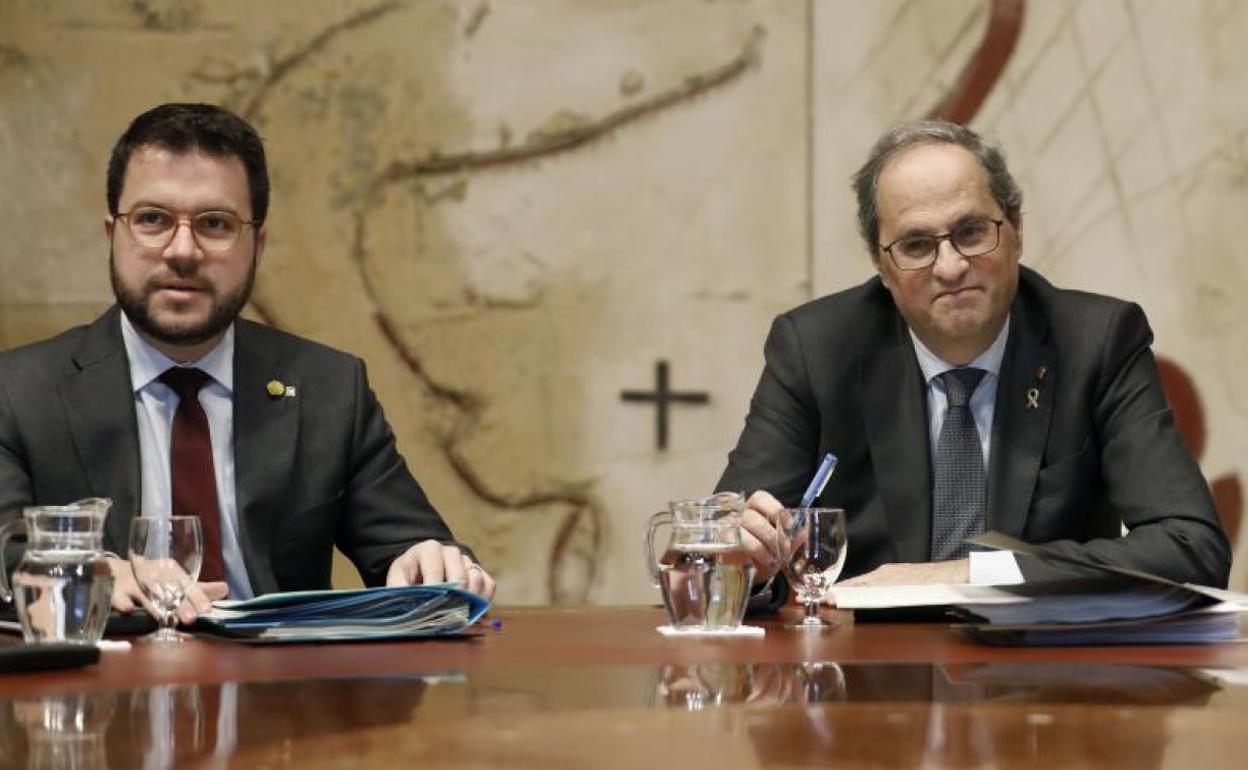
[705, 584]
[63, 596]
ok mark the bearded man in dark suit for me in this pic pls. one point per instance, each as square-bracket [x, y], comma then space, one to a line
[292, 455]
[963, 392]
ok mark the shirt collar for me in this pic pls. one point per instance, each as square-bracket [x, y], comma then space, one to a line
[147, 363]
[990, 360]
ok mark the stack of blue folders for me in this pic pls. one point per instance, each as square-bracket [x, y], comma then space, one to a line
[1121, 606]
[410, 612]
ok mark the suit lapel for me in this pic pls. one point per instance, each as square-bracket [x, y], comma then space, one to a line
[1024, 410]
[99, 407]
[897, 434]
[266, 432]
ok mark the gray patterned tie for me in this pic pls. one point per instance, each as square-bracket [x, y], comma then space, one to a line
[960, 493]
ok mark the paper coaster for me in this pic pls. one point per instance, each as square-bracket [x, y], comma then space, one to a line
[738, 631]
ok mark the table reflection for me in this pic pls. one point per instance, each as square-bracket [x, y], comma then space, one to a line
[167, 725]
[889, 714]
[937, 715]
[697, 686]
[65, 732]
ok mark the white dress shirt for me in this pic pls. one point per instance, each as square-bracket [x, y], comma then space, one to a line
[154, 406]
[987, 567]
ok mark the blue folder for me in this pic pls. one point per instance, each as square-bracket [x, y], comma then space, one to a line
[409, 612]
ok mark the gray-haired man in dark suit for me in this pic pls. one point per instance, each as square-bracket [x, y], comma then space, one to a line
[963, 392]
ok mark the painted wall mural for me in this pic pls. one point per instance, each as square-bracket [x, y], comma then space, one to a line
[557, 230]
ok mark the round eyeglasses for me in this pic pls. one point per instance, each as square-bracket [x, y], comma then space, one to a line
[971, 238]
[214, 231]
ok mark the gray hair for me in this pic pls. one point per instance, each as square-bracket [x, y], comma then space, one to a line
[1000, 182]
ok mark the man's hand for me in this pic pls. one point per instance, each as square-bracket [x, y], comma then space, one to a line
[761, 536]
[127, 594]
[433, 562]
[956, 571]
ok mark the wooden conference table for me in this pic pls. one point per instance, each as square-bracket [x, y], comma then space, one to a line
[598, 687]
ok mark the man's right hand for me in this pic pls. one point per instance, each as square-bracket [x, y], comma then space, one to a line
[761, 535]
[127, 594]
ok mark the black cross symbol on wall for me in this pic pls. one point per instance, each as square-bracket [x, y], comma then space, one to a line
[662, 397]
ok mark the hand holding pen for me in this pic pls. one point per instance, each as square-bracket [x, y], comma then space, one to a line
[761, 523]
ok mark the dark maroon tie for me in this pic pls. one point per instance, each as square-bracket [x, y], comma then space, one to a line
[190, 463]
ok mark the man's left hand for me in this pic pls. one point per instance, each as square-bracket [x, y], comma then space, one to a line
[432, 562]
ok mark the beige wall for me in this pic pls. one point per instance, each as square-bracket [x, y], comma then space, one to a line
[645, 181]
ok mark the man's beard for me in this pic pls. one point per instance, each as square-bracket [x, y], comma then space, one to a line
[225, 309]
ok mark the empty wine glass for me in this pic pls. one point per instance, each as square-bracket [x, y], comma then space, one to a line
[816, 544]
[165, 554]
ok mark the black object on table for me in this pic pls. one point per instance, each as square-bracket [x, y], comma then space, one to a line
[134, 623]
[19, 657]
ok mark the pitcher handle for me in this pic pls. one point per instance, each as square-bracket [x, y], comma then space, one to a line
[6, 533]
[652, 563]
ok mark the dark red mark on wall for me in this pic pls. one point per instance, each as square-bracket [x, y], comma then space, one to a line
[1189, 414]
[1005, 23]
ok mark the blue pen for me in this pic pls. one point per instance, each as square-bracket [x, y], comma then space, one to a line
[820, 480]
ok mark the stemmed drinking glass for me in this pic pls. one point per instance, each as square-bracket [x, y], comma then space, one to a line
[816, 544]
[165, 554]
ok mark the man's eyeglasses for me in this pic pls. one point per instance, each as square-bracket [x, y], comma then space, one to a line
[215, 231]
[972, 238]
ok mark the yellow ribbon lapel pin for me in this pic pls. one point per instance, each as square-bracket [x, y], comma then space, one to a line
[1033, 394]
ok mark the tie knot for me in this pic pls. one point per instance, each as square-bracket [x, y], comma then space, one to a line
[960, 384]
[185, 381]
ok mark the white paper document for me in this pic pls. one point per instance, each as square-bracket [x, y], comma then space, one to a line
[938, 595]
[1124, 607]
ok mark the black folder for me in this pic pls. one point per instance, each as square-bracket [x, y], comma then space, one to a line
[134, 623]
[18, 658]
